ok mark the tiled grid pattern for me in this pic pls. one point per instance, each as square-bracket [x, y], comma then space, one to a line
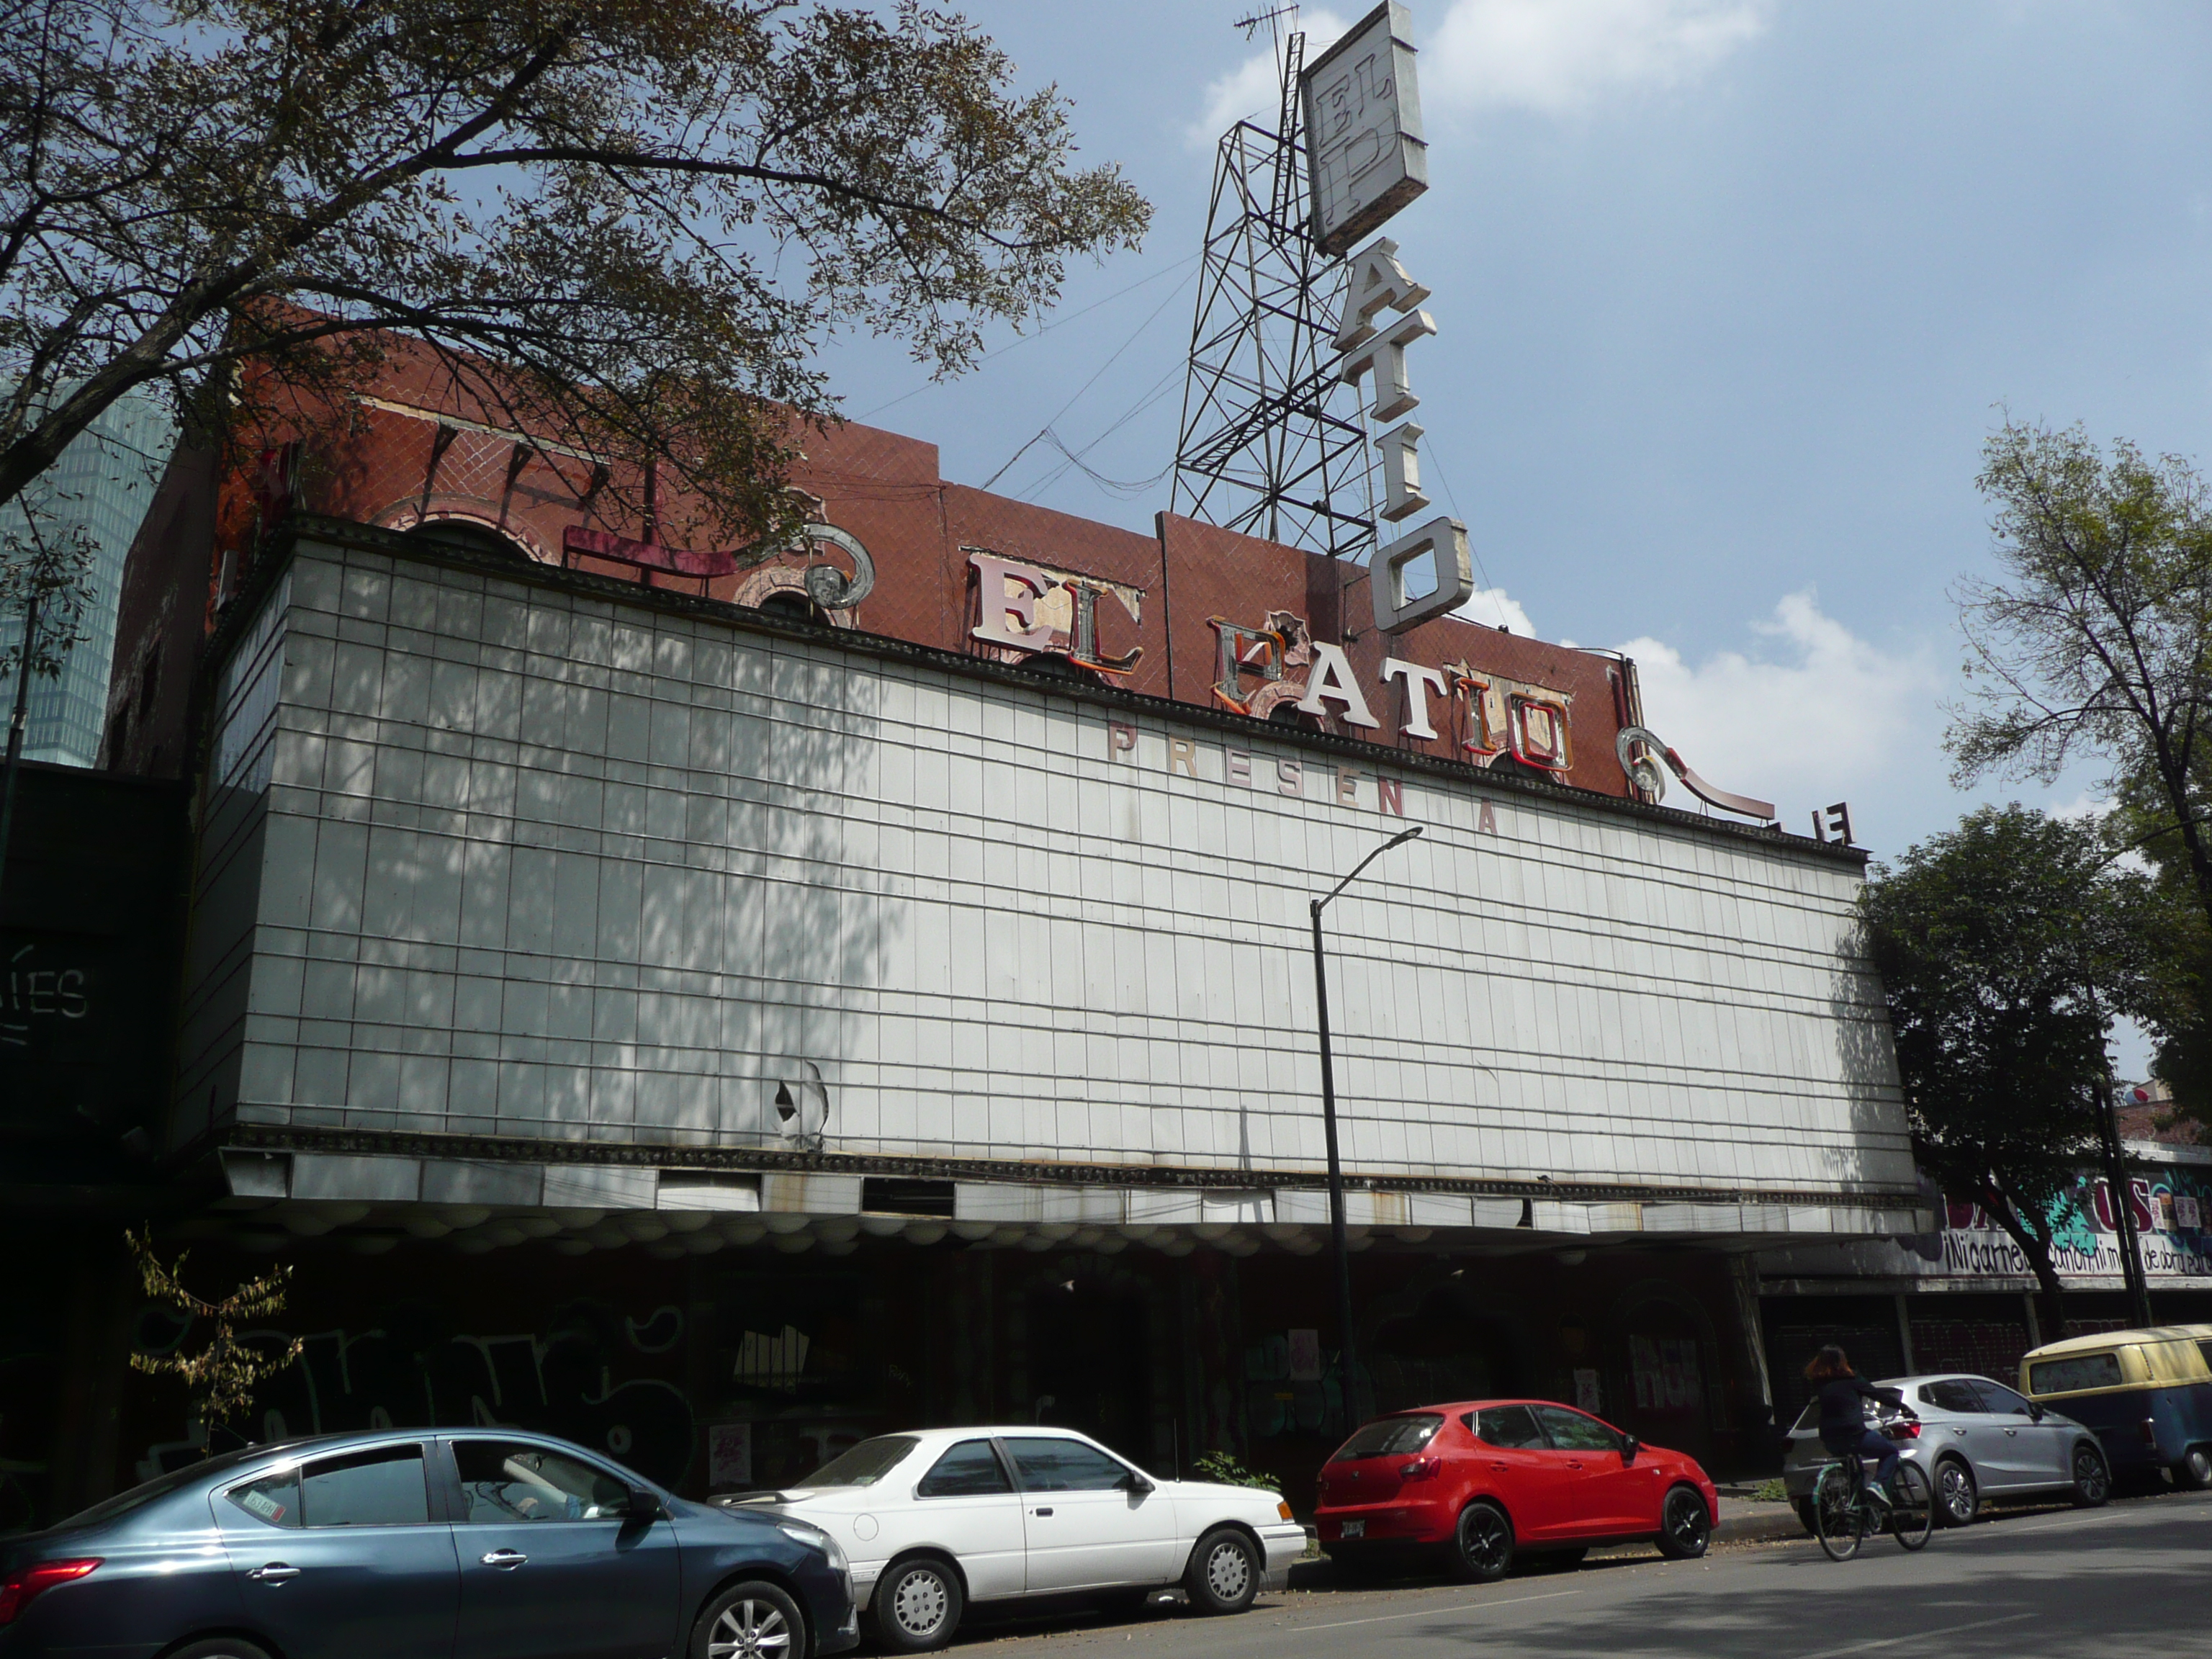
[538, 864]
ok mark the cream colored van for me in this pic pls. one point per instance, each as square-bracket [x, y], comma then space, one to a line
[2147, 1394]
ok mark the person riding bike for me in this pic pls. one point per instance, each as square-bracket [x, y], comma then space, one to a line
[1844, 1428]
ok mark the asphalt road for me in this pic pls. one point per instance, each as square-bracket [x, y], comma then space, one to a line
[2135, 1577]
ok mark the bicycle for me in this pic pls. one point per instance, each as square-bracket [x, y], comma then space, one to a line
[1843, 1515]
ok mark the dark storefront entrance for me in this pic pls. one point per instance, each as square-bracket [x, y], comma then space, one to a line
[716, 1368]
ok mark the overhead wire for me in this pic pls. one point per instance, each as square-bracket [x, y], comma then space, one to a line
[1437, 465]
[1074, 458]
[1142, 281]
[1152, 318]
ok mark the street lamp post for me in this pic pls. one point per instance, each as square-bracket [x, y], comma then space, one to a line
[1341, 1246]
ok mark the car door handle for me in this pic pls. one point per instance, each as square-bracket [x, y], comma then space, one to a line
[504, 1559]
[1501, 1466]
[1573, 1464]
[1044, 1511]
[2012, 1434]
[274, 1572]
[1958, 1430]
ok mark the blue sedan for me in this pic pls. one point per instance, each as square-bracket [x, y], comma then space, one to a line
[488, 1544]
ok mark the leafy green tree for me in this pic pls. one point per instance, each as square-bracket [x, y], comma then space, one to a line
[2095, 640]
[2005, 948]
[648, 213]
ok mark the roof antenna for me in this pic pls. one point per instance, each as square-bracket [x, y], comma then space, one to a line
[1251, 24]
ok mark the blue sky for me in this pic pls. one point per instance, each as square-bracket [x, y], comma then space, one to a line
[1729, 293]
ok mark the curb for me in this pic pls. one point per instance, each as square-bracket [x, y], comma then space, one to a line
[1764, 1529]
[1773, 1524]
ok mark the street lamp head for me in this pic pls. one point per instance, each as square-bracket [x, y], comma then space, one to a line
[1401, 837]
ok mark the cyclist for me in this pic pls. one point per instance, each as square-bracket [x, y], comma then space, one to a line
[1844, 1428]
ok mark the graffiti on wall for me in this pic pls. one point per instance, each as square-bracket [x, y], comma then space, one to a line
[575, 1378]
[2173, 1214]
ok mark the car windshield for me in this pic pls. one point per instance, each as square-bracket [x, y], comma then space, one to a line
[1390, 1436]
[865, 1464]
[110, 1509]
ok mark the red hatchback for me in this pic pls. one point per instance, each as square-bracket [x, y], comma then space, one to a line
[1487, 1479]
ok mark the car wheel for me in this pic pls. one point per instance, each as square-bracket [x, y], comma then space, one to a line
[751, 1620]
[2092, 1481]
[2193, 1473]
[1224, 1572]
[1482, 1547]
[1956, 1496]
[1685, 1524]
[1807, 1518]
[219, 1647]
[917, 1605]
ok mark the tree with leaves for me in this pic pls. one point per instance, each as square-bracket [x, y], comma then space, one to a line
[2005, 948]
[2094, 640]
[623, 225]
[221, 1377]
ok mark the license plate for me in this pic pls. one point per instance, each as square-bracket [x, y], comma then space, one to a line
[1355, 1530]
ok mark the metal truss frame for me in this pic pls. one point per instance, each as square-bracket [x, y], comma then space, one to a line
[1259, 449]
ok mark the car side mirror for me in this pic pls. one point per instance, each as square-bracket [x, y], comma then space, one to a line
[1134, 1482]
[1630, 1445]
[642, 1505]
[2035, 1412]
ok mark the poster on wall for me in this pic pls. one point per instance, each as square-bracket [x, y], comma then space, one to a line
[1587, 1397]
[1664, 1372]
[729, 1457]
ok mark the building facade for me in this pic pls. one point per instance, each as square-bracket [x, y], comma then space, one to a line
[718, 1005]
[1960, 1296]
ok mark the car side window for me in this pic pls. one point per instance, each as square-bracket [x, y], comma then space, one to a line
[380, 1488]
[274, 1499]
[1571, 1431]
[504, 1480]
[970, 1469]
[1512, 1427]
[2001, 1400]
[1953, 1393]
[1056, 1465]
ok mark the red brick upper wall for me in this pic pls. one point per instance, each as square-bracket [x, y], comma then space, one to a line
[375, 458]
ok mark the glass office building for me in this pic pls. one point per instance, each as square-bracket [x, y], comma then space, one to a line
[104, 484]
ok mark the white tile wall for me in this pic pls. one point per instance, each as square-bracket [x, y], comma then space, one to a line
[548, 867]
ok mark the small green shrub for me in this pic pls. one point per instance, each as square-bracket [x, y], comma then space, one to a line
[1222, 1469]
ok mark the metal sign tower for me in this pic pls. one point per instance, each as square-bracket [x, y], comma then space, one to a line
[1260, 451]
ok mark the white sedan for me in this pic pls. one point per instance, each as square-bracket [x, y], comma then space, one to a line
[940, 1517]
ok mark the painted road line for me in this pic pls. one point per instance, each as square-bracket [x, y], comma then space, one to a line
[1918, 1636]
[1429, 1613]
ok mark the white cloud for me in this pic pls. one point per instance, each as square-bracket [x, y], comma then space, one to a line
[1553, 57]
[1254, 90]
[1491, 606]
[1558, 57]
[1820, 713]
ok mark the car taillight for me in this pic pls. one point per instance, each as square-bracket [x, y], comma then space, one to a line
[1283, 1510]
[1420, 1468]
[2150, 1432]
[18, 1589]
[1909, 1429]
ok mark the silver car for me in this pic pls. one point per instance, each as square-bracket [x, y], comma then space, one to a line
[1976, 1440]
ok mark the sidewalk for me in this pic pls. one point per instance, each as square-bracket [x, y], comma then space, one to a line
[1746, 1520]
